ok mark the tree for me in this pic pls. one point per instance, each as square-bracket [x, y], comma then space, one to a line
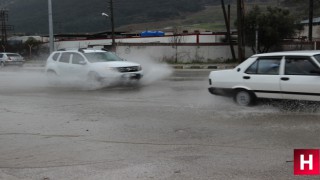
[273, 26]
[176, 40]
[32, 45]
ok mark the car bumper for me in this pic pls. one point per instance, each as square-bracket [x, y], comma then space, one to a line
[121, 77]
[131, 76]
[221, 91]
[18, 63]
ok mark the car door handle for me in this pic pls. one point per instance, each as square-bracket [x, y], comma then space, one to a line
[285, 78]
[246, 77]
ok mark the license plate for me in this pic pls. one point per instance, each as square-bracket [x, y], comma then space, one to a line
[131, 76]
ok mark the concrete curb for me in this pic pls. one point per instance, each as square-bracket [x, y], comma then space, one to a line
[175, 66]
[33, 65]
[204, 66]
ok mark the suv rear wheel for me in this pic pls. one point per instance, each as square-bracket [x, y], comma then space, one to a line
[52, 77]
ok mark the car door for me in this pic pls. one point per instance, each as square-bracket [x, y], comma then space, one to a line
[263, 77]
[79, 66]
[63, 65]
[299, 81]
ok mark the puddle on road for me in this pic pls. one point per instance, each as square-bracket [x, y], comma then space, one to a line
[191, 94]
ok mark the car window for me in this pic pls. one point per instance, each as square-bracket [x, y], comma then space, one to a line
[55, 56]
[317, 57]
[102, 57]
[1, 55]
[13, 55]
[77, 58]
[65, 58]
[265, 65]
[299, 66]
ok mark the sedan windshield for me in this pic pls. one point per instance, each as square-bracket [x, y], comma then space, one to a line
[102, 57]
[317, 57]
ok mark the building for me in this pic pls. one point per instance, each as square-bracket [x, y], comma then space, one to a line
[315, 30]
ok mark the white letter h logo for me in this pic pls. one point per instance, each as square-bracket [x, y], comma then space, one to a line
[303, 162]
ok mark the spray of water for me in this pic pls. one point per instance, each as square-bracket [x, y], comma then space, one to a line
[153, 69]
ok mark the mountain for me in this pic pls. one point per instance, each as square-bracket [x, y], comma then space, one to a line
[84, 16]
[81, 16]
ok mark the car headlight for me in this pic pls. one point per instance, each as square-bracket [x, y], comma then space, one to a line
[139, 68]
[112, 69]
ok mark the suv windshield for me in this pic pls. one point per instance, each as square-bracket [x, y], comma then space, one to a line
[102, 57]
[317, 57]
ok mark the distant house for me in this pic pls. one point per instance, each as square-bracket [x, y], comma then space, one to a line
[315, 30]
[23, 39]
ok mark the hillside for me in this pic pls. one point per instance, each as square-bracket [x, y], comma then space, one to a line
[84, 16]
[71, 16]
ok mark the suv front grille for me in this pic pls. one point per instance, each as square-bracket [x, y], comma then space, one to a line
[128, 69]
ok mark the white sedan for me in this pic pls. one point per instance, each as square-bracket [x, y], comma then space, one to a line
[293, 75]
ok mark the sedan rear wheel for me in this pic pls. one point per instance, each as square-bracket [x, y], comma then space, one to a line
[244, 98]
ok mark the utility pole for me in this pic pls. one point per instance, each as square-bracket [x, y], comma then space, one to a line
[227, 22]
[310, 19]
[51, 38]
[240, 17]
[257, 38]
[4, 28]
[112, 24]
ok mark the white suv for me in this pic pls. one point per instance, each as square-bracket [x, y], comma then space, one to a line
[91, 64]
[282, 75]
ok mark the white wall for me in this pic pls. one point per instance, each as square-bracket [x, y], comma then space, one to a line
[183, 53]
[203, 38]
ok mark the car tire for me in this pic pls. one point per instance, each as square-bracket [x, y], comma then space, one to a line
[93, 77]
[1, 64]
[244, 98]
[93, 80]
[52, 77]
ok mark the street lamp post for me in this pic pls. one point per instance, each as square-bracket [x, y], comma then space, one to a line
[112, 23]
[51, 40]
[107, 16]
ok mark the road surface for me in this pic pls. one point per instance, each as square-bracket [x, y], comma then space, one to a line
[164, 129]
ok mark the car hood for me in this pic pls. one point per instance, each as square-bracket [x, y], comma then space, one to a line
[115, 64]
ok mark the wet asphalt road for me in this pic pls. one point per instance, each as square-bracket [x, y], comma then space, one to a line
[166, 129]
